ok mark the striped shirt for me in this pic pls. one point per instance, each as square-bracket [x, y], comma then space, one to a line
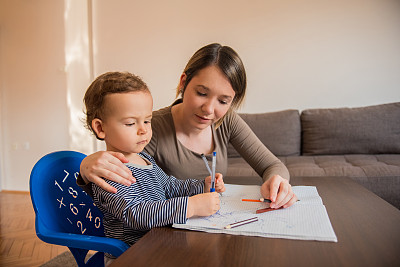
[155, 200]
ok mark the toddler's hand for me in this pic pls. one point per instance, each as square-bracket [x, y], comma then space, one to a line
[203, 204]
[219, 183]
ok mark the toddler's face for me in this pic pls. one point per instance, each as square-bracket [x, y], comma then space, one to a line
[127, 123]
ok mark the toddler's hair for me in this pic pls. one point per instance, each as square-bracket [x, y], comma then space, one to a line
[109, 83]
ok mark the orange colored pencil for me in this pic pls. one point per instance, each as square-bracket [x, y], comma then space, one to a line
[256, 200]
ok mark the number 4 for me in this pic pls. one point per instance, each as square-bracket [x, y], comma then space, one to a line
[89, 215]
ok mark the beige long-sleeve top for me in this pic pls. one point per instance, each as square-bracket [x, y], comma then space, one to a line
[175, 159]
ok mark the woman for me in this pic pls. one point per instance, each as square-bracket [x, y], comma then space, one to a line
[202, 120]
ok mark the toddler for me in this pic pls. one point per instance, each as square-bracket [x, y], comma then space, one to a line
[119, 111]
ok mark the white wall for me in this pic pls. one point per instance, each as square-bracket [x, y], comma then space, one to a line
[79, 71]
[298, 54]
[33, 86]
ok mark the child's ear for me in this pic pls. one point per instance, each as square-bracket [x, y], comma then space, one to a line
[97, 126]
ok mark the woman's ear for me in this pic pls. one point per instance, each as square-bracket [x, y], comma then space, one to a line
[182, 83]
[97, 126]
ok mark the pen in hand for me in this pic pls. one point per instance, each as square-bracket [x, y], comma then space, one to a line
[211, 172]
[214, 161]
[206, 163]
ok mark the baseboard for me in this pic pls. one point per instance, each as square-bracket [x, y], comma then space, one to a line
[15, 192]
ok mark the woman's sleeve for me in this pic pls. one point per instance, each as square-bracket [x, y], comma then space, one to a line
[253, 150]
[87, 187]
[137, 213]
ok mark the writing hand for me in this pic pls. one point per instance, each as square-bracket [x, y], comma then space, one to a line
[203, 204]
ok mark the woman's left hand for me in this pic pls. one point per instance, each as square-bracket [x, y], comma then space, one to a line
[279, 191]
[219, 183]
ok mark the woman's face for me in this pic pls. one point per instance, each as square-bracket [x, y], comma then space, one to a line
[207, 97]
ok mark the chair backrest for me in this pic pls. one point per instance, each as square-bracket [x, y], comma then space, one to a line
[65, 214]
[60, 204]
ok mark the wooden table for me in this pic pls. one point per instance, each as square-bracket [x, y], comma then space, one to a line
[367, 228]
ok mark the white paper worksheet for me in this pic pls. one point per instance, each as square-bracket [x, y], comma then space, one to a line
[307, 219]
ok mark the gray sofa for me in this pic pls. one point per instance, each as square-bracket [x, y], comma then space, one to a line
[360, 143]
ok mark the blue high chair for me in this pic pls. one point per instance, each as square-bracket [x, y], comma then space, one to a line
[65, 214]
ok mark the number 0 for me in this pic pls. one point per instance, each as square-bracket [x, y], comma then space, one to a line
[97, 222]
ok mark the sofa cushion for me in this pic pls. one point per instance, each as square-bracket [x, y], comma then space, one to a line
[279, 131]
[354, 165]
[365, 130]
[379, 173]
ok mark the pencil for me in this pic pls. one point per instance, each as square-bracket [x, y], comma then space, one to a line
[257, 200]
[236, 224]
[267, 209]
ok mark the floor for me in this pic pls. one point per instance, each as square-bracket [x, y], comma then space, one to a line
[19, 245]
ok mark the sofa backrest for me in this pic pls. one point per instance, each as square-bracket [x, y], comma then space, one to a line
[364, 130]
[279, 131]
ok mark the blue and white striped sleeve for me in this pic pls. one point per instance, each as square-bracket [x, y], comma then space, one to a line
[137, 212]
[174, 187]
[178, 188]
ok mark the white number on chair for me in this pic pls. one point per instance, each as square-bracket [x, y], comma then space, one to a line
[72, 192]
[58, 186]
[80, 224]
[89, 215]
[66, 176]
[73, 209]
[97, 222]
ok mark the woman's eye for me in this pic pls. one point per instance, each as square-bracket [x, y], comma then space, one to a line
[147, 122]
[130, 124]
[201, 94]
[223, 102]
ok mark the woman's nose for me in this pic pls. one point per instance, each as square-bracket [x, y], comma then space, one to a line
[208, 107]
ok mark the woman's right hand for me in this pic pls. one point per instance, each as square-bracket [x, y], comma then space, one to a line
[109, 165]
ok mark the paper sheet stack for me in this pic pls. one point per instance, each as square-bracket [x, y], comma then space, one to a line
[307, 219]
